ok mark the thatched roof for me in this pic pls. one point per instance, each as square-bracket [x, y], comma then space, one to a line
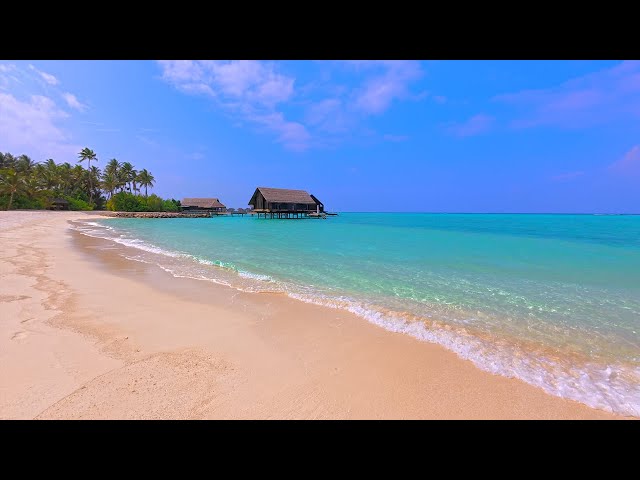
[202, 203]
[283, 195]
[318, 202]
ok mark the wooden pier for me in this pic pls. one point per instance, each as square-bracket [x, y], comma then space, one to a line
[227, 214]
[287, 214]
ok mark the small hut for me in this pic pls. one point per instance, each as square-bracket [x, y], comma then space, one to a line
[202, 205]
[284, 203]
[59, 204]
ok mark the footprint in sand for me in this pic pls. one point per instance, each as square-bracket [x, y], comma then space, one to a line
[19, 335]
[12, 298]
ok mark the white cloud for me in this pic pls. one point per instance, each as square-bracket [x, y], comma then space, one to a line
[381, 90]
[629, 164]
[377, 86]
[7, 71]
[244, 80]
[47, 77]
[597, 98]
[249, 90]
[258, 93]
[292, 135]
[31, 127]
[331, 116]
[73, 102]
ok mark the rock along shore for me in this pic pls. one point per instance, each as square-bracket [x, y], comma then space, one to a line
[155, 215]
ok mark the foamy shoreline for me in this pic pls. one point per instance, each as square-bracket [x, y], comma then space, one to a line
[97, 336]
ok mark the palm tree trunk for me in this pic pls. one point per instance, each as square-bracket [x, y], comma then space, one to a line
[145, 191]
[90, 183]
[10, 201]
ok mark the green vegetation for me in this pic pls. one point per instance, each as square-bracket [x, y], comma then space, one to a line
[128, 202]
[25, 184]
[77, 203]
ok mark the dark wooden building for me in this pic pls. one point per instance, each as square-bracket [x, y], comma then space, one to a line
[202, 204]
[284, 203]
[59, 204]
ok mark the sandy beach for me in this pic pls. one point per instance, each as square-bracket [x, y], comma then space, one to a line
[87, 334]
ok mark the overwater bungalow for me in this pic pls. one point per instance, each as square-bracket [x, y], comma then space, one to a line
[202, 205]
[284, 203]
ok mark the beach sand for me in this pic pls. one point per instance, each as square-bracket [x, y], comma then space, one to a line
[85, 333]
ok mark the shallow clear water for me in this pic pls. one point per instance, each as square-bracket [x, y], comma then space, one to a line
[551, 299]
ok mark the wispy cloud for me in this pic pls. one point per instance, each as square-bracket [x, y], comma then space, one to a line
[441, 99]
[107, 130]
[32, 127]
[73, 102]
[250, 90]
[390, 84]
[629, 164]
[47, 77]
[589, 100]
[7, 75]
[567, 176]
[259, 94]
[377, 85]
[31, 121]
[330, 116]
[475, 125]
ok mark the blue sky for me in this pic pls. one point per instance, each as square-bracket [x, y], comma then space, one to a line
[442, 136]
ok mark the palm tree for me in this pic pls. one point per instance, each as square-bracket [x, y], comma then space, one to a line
[64, 172]
[11, 182]
[109, 182]
[78, 179]
[22, 179]
[94, 180]
[48, 175]
[88, 155]
[24, 164]
[128, 173]
[53, 173]
[113, 167]
[8, 161]
[145, 179]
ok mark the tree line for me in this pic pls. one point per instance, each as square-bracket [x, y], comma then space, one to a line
[26, 184]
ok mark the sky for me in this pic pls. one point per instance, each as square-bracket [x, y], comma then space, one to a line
[431, 136]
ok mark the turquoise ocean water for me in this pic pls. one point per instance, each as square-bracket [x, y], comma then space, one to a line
[551, 299]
